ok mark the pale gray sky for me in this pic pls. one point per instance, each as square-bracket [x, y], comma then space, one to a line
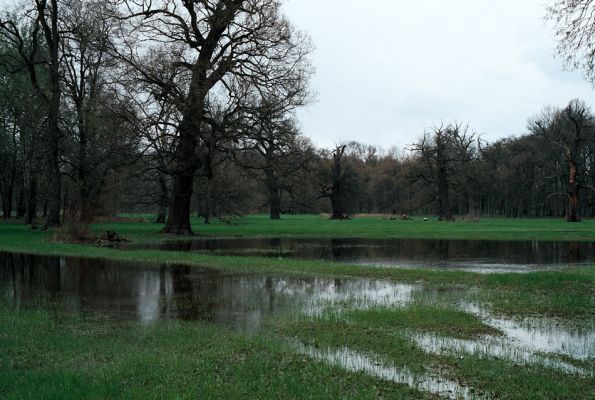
[387, 69]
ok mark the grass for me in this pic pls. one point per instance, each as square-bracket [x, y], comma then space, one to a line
[567, 294]
[47, 355]
[66, 358]
[314, 226]
[387, 332]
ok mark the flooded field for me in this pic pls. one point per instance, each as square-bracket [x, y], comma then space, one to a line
[245, 302]
[468, 255]
[135, 292]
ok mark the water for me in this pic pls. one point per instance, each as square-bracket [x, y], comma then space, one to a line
[355, 361]
[129, 291]
[469, 255]
[144, 293]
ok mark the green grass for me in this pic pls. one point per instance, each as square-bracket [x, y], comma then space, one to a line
[315, 226]
[387, 332]
[567, 294]
[47, 358]
[427, 318]
[46, 355]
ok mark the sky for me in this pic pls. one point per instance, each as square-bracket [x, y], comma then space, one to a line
[386, 70]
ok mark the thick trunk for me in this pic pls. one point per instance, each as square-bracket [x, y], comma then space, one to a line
[274, 193]
[21, 208]
[572, 214]
[53, 189]
[53, 175]
[178, 218]
[7, 203]
[85, 213]
[186, 161]
[444, 210]
[31, 212]
[573, 209]
[208, 210]
[163, 200]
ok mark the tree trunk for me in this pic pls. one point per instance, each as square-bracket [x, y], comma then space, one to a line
[444, 210]
[337, 192]
[186, 161]
[53, 189]
[31, 212]
[21, 208]
[572, 211]
[208, 209]
[178, 219]
[7, 203]
[163, 200]
[274, 193]
[53, 177]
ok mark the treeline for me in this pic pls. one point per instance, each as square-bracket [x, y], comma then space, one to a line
[184, 108]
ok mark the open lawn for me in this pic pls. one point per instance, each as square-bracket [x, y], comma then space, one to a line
[370, 227]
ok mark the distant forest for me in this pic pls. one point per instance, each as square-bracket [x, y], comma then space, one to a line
[188, 108]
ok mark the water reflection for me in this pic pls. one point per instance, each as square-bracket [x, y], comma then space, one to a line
[471, 255]
[128, 291]
[490, 346]
[355, 361]
[541, 335]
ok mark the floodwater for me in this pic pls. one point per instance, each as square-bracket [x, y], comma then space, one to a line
[483, 256]
[137, 292]
[128, 291]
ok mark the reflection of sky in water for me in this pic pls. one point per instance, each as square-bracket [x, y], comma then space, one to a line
[127, 291]
[149, 296]
[467, 266]
[485, 256]
[488, 346]
[355, 361]
[542, 334]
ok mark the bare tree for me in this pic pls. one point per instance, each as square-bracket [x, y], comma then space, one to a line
[203, 49]
[443, 151]
[570, 130]
[575, 32]
[39, 53]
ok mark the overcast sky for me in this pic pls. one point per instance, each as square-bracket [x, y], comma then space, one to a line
[387, 69]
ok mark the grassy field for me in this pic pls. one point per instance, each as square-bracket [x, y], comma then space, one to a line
[369, 227]
[48, 355]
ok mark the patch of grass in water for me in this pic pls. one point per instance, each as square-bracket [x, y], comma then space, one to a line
[443, 321]
[501, 379]
[386, 332]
